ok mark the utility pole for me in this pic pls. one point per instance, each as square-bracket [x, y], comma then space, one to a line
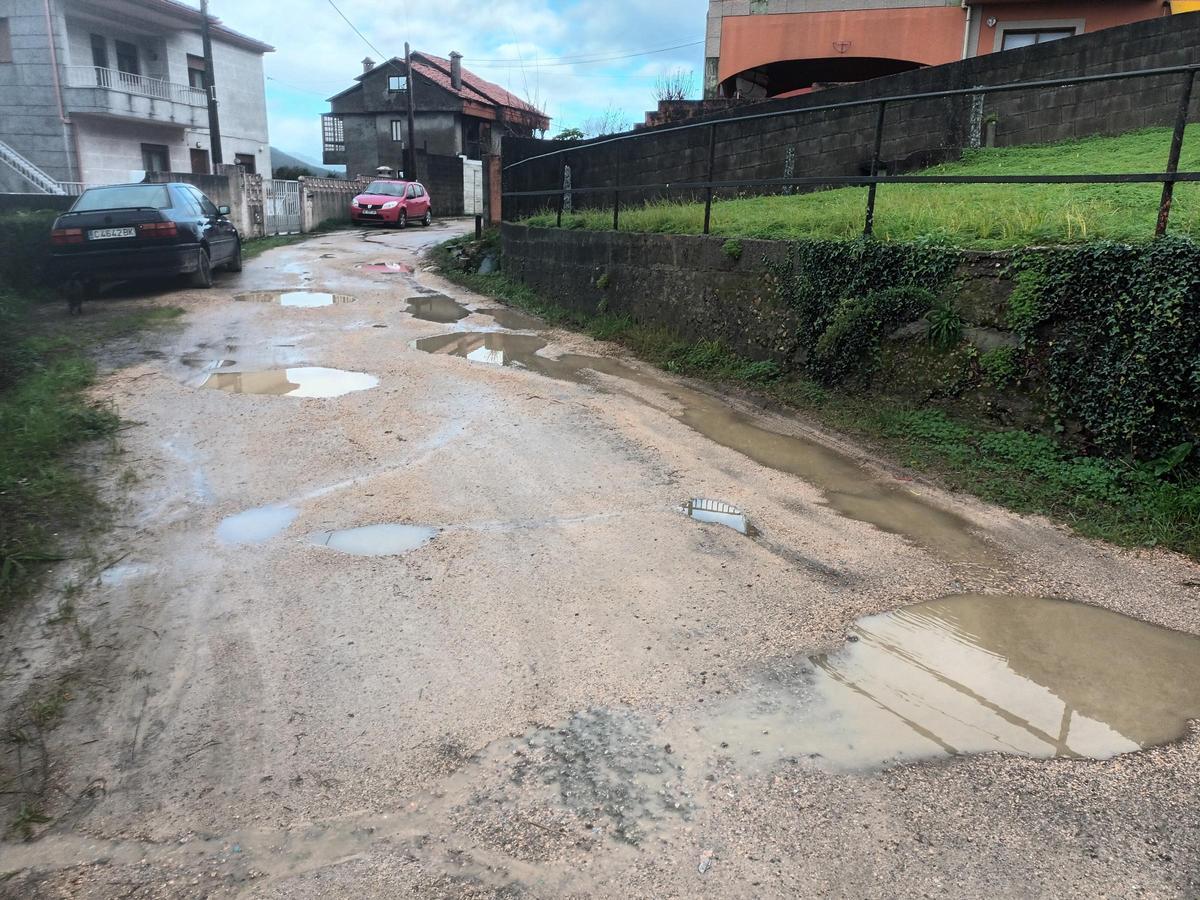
[214, 119]
[410, 165]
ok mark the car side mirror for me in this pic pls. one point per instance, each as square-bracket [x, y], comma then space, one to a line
[223, 210]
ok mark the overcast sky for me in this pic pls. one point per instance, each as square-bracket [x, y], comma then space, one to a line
[515, 43]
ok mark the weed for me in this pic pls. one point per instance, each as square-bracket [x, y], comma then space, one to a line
[1000, 367]
[945, 324]
[603, 281]
[733, 249]
[27, 819]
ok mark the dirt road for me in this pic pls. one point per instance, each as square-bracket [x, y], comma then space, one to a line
[445, 622]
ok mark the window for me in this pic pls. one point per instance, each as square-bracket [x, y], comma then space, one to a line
[1014, 39]
[99, 51]
[247, 161]
[397, 83]
[200, 164]
[156, 158]
[5, 41]
[412, 192]
[385, 188]
[333, 130]
[206, 205]
[397, 131]
[196, 71]
[127, 58]
[124, 196]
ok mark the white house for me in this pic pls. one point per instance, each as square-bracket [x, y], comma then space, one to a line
[115, 88]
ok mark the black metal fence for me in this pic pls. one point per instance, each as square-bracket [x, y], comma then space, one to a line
[1169, 177]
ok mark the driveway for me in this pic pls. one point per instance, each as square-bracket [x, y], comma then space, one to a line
[407, 595]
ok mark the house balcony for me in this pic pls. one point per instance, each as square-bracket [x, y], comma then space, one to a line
[91, 90]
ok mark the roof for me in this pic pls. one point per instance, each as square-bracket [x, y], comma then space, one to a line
[476, 89]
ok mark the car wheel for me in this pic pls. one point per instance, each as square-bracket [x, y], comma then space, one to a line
[235, 261]
[428, 219]
[402, 220]
[203, 276]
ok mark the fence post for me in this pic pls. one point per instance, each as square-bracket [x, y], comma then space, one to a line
[870, 225]
[617, 193]
[1168, 192]
[708, 194]
[562, 189]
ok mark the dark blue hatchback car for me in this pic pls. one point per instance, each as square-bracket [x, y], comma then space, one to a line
[129, 231]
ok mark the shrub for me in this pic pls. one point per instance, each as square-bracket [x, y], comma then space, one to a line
[733, 249]
[1001, 366]
[945, 324]
[849, 345]
[25, 249]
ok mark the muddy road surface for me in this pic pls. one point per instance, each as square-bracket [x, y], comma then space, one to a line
[409, 595]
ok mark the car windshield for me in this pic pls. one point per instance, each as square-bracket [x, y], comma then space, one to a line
[386, 188]
[124, 196]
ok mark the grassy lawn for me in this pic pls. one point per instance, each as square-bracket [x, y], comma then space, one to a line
[1128, 504]
[975, 216]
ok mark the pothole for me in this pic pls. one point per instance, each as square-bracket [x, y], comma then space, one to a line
[967, 674]
[512, 319]
[719, 512]
[308, 381]
[492, 348]
[386, 268]
[376, 540]
[296, 299]
[437, 308]
[255, 525]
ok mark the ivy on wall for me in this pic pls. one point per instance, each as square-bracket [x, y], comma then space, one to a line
[1113, 332]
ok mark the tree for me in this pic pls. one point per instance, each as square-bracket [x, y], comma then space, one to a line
[291, 173]
[569, 134]
[675, 85]
[611, 121]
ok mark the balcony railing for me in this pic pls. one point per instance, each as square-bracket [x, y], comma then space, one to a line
[141, 85]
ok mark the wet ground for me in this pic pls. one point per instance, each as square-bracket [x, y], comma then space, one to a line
[408, 595]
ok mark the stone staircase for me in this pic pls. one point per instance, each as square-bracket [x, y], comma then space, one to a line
[27, 170]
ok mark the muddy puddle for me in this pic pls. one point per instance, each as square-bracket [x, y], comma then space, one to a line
[199, 362]
[376, 540]
[386, 268]
[512, 319]
[256, 525]
[307, 381]
[296, 299]
[961, 675]
[717, 512]
[849, 488]
[437, 308]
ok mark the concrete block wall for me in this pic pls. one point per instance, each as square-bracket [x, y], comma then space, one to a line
[325, 198]
[917, 133]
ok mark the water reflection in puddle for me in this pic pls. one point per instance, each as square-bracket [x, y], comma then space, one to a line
[196, 362]
[512, 319]
[437, 308]
[306, 381]
[255, 525]
[718, 512]
[296, 299]
[376, 540]
[492, 348]
[848, 487]
[970, 674]
[386, 268]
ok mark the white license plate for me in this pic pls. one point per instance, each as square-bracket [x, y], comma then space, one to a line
[105, 234]
[369, 212]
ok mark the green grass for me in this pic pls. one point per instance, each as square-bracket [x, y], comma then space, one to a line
[1120, 502]
[974, 216]
[45, 370]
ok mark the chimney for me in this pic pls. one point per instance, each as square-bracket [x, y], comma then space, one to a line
[456, 70]
[368, 64]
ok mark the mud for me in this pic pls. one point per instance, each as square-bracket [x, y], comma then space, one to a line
[437, 308]
[296, 299]
[375, 540]
[305, 381]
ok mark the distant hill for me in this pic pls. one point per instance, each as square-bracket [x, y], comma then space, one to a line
[280, 160]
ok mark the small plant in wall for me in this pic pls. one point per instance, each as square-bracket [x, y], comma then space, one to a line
[603, 281]
[732, 249]
[945, 324]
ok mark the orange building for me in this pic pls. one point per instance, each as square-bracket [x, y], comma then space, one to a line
[774, 48]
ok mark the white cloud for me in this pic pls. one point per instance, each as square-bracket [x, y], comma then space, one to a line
[317, 53]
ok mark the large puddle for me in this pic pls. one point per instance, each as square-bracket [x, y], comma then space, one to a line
[512, 319]
[308, 381]
[437, 308]
[376, 540]
[967, 674]
[849, 488]
[256, 525]
[297, 299]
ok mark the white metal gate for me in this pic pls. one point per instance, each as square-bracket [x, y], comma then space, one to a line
[281, 202]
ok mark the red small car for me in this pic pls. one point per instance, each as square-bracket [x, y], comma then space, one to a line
[394, 203]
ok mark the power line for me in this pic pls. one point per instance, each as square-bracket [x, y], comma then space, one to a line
[577, 60]
[356, 31]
